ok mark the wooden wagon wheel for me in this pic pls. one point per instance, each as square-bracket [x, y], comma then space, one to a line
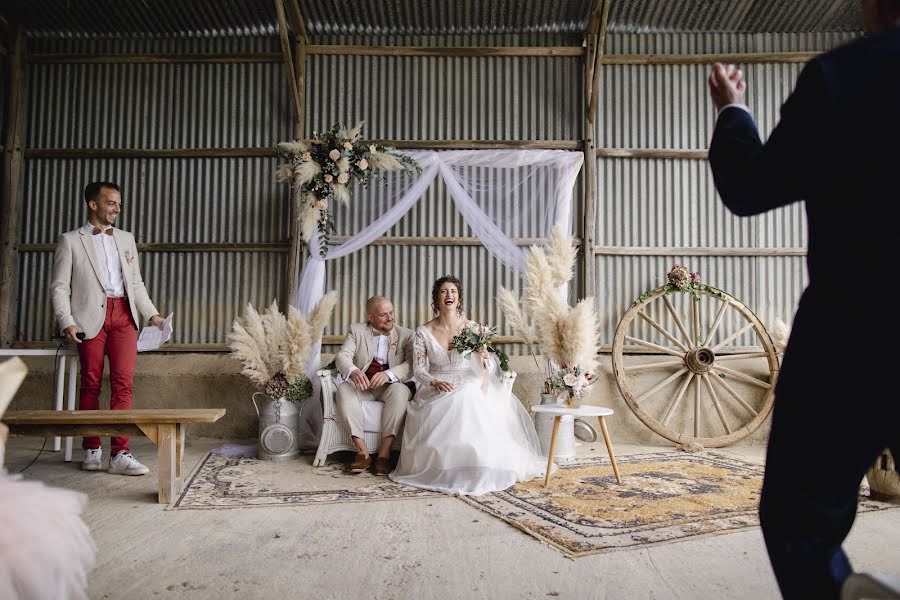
[708, 377]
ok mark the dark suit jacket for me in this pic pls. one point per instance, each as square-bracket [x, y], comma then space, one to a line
[837, 147]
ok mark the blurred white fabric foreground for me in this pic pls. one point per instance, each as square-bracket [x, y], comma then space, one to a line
[46, 549]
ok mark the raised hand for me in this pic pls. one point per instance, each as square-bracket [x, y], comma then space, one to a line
[726, 85]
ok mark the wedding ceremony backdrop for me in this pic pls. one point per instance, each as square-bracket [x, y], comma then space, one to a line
[182, 104]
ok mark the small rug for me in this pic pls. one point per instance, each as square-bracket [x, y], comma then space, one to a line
[238, 482]
[663, 497]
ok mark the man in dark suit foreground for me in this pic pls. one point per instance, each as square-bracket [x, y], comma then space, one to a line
[836, 147]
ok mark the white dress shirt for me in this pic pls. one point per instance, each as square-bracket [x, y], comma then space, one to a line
[110, 263]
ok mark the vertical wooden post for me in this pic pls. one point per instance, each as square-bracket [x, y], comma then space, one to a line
[594, 39]
[11, 188]
[166, 449]
[296, 253]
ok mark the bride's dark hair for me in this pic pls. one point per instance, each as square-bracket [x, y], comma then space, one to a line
[437, 288]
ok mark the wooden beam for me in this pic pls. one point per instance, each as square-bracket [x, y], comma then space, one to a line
[181, 247]
[296, 17]
[594, 18]
[288, 61]
[148, 152]
[664, 153]
[295, 254]
[348, 50]
[345, 50]
[175, 59]
[270, 152]
[695, 251]
[598, 57]
[745, 58]
[286, 246]
[11, 187]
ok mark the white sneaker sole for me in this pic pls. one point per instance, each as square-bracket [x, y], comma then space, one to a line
[128, 472]
[92, 466]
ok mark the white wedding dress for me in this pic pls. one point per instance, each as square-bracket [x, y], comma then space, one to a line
[475, 439]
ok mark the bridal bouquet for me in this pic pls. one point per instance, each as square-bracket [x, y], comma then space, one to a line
[476, 336]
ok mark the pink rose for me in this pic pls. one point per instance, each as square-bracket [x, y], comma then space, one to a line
[334, 155]
[363, 164]
[328, 178]
[307, 156]
[320, 205]
[343, 177]
[348, 146]
[569, 379]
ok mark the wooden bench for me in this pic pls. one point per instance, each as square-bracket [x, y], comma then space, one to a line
[165, 427]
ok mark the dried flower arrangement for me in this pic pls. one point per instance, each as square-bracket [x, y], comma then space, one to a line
[325, 170]
[274, 348]
[567, 335]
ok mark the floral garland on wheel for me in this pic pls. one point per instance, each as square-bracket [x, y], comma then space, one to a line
[324, 171]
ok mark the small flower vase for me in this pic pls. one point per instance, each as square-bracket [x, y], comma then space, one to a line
[570, 400]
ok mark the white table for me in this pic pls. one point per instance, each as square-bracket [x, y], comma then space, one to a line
[558, 411]
[64, 355]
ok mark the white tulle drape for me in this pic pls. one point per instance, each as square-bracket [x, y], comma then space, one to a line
[535, 190]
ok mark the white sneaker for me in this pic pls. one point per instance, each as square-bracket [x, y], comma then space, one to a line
[124, 463]
[92, 460]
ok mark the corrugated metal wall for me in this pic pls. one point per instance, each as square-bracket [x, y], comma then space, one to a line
[642, 202]
[185, 200]
[490, 98]
[666, 203]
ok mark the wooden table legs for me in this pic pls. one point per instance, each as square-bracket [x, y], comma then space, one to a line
[552, 448]
[609, 449]
[612, 457]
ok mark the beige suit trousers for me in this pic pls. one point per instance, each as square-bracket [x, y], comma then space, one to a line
[395, 397]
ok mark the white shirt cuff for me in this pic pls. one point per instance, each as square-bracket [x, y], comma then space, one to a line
[391, 376]
[739, 105]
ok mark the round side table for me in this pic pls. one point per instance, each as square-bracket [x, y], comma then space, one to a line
[581, 411]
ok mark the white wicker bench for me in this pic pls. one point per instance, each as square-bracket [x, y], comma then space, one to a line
[336, 439]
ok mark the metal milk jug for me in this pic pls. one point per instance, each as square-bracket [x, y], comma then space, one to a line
[279, 428]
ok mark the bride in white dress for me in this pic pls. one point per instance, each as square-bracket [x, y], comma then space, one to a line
[464, 433]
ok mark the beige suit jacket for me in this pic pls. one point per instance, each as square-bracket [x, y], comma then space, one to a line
[77, 289]
[358, 350]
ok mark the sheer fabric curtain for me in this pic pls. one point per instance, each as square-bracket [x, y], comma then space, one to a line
[501, 195]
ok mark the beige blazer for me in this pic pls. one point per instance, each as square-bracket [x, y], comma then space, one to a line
[77, 290]
[358, 350]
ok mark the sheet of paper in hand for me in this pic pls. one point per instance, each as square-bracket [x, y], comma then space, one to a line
[152, 337]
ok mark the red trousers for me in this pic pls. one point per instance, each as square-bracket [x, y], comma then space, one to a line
[118, 340]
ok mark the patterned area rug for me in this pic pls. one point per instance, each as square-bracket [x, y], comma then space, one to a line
[663, 497]
[237, 482]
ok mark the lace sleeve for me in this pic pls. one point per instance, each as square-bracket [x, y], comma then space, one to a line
[420, 360]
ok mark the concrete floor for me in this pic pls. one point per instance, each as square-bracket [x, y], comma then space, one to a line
[435, 548]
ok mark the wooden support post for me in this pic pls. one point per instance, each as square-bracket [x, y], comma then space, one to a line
[288, 61]
[296, 252]
[167, 470]
[11, 187]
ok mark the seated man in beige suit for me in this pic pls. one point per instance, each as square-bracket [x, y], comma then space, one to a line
[375, 361]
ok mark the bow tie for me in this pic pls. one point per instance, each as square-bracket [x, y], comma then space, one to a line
[98, 231]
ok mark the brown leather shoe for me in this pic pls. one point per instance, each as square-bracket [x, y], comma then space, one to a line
[382, 465]
[361, 463]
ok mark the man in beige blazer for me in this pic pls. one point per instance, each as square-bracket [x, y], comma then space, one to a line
[375, 362]
[98, 295]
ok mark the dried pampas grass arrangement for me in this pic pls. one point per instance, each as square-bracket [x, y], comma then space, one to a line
[568, 336]
[271, 345]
